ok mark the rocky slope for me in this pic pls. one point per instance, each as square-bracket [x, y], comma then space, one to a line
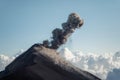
[40, 63]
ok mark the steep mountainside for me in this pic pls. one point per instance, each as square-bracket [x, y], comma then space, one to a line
[40, 63]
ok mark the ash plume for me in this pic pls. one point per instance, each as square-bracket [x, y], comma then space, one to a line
[42, 61]
[59, 36]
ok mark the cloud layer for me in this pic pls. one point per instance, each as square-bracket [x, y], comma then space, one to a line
[98, 64]
[4, 61]
[105, 66]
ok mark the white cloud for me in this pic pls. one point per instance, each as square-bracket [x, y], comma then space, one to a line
[66, 54]
[98, 64]
[4, 61]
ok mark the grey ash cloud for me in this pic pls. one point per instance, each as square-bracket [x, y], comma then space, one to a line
[59, 36]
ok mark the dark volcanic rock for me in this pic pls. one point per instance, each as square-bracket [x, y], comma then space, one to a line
[40, 63]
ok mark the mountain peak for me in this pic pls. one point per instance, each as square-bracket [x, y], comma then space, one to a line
[40, 63]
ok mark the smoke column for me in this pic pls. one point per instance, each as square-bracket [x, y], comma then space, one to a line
[59, 36]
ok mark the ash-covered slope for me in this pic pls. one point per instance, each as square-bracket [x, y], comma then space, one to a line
[40, 63]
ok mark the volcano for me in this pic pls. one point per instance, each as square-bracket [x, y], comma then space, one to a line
[43, 62]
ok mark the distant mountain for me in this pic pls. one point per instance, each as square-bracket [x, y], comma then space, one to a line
[114, 74]
[40, 63]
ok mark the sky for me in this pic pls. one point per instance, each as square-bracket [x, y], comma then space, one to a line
[25, 22]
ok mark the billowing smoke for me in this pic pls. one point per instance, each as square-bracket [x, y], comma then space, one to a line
[59, 36]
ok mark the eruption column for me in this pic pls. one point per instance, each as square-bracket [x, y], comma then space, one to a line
[59, 36]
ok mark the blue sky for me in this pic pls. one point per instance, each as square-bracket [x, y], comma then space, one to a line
[25, 22]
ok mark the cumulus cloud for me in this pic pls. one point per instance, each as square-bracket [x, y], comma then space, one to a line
[4, 61]
[98, 64]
